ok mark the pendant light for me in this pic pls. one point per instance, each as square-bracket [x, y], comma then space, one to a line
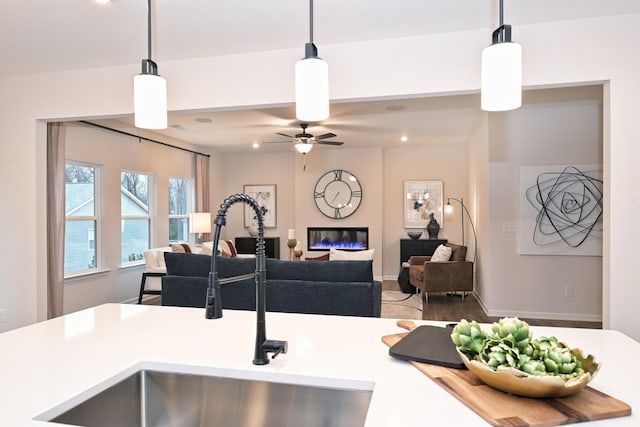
[312, 81]
[150, 90]
[501, 79]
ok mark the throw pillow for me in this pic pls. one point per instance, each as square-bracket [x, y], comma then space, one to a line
[442, 253]
[206, 250]
[177, 248]
[336, 254]
[181, 248]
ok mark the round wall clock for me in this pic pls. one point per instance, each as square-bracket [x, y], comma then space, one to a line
[337, 194]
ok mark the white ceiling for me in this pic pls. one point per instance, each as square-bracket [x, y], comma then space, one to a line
[43, 36]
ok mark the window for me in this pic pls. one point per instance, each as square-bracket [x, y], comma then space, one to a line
[135, 227]
[179, 192]
[81, 218]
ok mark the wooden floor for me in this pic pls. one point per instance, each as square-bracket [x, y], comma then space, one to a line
[453, 308]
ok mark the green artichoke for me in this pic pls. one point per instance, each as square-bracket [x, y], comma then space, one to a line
[514, 330]
[497, 352]
[558, 359]
[468, 337]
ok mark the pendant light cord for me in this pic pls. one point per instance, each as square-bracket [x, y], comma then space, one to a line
[310, 21]
[501, 14]
[149, 28]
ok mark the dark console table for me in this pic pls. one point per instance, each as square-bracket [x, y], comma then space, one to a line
[247, 245]
[408, 248]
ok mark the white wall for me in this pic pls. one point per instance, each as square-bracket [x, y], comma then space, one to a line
[527, 285]
[597, 50]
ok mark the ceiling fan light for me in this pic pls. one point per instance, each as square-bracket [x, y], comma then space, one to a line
[303, 147]
[501, 78]
[312, 89]
[150, 101]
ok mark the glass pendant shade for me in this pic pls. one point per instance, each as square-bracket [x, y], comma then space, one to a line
[501, 79]
[303, 147]
[312, 89]
[150, 101]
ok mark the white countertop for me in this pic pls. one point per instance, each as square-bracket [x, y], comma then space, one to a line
[45, 364]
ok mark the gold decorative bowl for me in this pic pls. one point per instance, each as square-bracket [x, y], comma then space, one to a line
[514, 381]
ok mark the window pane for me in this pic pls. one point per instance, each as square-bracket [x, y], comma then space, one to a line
[135, 194]
[178, 230]
[79, 246]
[134, 238]
[178, 196]
[135, 228]
[80, 190]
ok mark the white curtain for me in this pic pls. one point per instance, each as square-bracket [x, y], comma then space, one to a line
[202, 188]
[55, 219]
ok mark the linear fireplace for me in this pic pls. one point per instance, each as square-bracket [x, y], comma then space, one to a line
[344, 238]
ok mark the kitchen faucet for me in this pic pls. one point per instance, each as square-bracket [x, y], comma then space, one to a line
[213, 308]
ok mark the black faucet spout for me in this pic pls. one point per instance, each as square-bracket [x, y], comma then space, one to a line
[213, 305]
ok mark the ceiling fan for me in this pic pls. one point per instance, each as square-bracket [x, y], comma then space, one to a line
[304, 141]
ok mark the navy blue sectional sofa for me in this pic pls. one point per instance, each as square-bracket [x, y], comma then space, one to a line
[332, 287]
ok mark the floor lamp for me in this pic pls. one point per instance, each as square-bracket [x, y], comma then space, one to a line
[449, 209]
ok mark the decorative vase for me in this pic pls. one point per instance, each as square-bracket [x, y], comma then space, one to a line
[433, 228]
[253, 229]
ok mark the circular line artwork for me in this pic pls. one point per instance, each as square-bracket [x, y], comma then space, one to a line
[568, 205]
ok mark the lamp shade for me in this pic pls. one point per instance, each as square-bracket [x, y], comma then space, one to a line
[150, 101]
[312, 89]
[303, 147]
[200, 222]
[501, 79]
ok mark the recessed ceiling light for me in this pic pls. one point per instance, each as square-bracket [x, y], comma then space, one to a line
[255, 145]
[404, 138]
[179, 127]
[395, 107]
[202, 120]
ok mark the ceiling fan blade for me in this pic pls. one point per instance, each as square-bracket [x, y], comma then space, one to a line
[285, 135]
[330, 142]
[325, 136]
[275, 142]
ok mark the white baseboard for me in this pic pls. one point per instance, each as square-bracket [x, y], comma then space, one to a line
[540, 314]
[389, 277]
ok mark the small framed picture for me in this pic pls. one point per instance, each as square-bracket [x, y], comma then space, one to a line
[265, 195]
[422, 198]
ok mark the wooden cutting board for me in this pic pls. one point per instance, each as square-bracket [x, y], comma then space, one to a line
[502, 409]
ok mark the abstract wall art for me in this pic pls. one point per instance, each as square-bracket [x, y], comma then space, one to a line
[561, 210]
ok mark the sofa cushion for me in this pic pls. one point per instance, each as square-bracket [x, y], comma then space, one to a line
[183, 264]
[340, 271]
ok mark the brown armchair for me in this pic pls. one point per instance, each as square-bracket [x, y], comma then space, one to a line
[454, 275]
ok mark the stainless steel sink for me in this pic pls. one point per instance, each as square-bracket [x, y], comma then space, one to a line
[156, 398]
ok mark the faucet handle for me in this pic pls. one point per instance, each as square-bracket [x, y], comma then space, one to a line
[274, 346]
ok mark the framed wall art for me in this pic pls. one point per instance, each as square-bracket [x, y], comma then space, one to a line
[422, 198]
[265, 195]
[561, 208]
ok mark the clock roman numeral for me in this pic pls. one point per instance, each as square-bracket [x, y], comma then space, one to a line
[337, 213]
[337, 175]
[356, 193]
[318, 195]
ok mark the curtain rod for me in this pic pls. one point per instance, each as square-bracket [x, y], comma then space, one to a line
[141, 137]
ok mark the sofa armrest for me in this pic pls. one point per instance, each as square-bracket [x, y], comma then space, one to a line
[417, 260]
[377, 298]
